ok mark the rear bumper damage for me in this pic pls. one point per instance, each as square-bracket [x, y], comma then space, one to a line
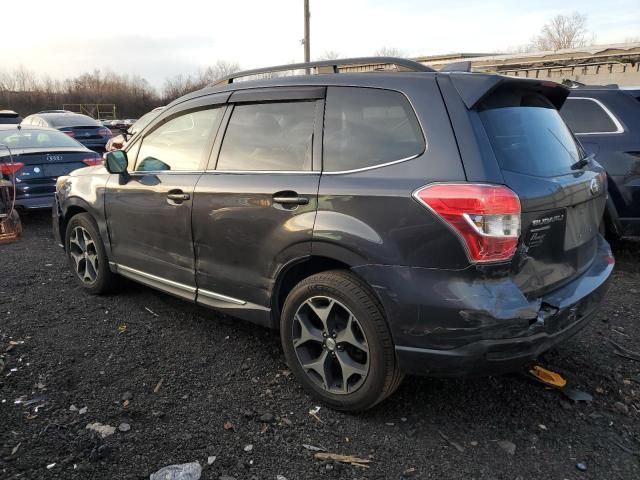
[448, 323]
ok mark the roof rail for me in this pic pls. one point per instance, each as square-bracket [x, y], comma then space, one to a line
[331, 66]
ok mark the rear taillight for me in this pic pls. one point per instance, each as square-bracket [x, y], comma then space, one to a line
[71, 133]
[10, 168]
[105, 132]
[486, 217]
[93, 161]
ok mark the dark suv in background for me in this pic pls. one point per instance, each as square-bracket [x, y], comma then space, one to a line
[439, 223]
[606, 119]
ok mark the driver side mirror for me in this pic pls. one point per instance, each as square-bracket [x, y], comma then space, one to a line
[117, 161]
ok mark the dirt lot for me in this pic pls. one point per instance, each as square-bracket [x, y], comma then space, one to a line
[177, 373]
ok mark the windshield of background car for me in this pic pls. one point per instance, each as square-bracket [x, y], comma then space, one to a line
[528, 135]
[25, 138]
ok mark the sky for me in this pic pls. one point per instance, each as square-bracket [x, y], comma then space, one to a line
[157, 39]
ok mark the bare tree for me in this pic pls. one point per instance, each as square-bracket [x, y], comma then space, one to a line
[389, 52]
[329, 55]
[23, 91]
[220, 69]
[180, 85]
[563, 31]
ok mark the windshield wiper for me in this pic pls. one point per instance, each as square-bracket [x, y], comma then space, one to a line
[583, 162]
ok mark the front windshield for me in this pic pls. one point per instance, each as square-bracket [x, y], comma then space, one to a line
[25, 138]
[143, 121]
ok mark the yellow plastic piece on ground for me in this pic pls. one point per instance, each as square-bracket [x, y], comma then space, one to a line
[547, 376]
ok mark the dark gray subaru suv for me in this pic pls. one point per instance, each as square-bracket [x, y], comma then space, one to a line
[413, 221]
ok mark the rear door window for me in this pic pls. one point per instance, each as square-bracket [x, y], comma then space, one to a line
[528, 135]
[274, 136]
[588, 115]
[367, 127]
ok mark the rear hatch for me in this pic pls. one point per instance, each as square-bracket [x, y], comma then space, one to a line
[562, 194]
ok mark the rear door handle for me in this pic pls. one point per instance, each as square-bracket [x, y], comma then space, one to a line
[291, 200]
[178, 196]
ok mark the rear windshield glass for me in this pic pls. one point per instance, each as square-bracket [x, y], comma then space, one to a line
[35, 139]
[72, 120]
[528, 135]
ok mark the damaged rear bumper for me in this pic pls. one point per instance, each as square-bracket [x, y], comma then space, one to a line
[459, 324]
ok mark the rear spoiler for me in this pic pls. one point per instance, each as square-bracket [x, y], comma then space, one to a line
[474, 87]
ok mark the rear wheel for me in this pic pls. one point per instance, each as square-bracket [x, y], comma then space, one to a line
[87, 255]
[337, 343]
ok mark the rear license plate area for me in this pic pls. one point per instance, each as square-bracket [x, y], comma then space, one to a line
[58, 170]
[582, 224]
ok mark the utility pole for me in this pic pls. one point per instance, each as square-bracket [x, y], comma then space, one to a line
[307, 40]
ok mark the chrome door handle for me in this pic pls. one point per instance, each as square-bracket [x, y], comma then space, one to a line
[291, 200]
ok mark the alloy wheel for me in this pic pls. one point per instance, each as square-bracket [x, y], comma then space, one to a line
[331, 345]
[83, 252]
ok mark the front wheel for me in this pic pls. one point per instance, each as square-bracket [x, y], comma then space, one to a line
[87, 255]
[337, 343]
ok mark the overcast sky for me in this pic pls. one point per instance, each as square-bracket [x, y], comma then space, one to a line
[160, 38]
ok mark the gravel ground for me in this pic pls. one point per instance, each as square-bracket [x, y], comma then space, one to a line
[192, 384]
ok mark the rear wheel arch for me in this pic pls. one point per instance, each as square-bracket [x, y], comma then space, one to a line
[297, 270]
[293, 273]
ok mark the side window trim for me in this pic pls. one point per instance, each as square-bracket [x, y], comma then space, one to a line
[133, 147]
[207, 149]
[316, 147]
[619, 128]
[276, 94]
[371, 167]
[199, 103]
[425, 142]
[217, 144]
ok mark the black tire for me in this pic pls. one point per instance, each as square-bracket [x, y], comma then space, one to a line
[103, 279]
[352, 296]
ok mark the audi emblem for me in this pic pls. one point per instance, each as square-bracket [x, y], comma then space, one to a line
[54, 158]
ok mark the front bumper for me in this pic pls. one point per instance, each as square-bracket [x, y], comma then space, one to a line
[456, 324]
